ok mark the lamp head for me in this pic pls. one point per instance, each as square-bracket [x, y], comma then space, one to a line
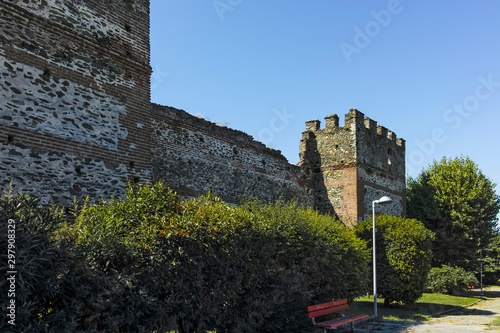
[384, 200]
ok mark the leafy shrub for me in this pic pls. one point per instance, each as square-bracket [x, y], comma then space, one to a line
[206, 265]
[302, 258]
[451, 280]
[153, 260]
[403, 250]
[117, 239]
[49, 286]
[55, 289]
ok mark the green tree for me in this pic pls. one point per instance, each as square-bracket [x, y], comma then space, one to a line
[458, 202]
[403, 256]
[491, 263]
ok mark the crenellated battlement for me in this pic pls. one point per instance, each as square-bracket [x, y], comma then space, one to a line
[357, 121]
[356, 135]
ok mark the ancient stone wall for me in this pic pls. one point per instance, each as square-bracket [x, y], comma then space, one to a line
[194, 156]
[74, 96]
[76, 121]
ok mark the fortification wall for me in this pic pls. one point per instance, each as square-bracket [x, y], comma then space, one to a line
[193, 156]
[74, 97]
[76, 121]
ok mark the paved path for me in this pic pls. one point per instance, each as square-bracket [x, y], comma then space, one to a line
[475, 318]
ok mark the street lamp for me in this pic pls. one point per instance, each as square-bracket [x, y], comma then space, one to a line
[382, 201]
[486, 249]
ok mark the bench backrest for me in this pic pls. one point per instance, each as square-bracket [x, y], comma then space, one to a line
[327, 308]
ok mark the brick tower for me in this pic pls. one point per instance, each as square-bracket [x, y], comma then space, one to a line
[348, 167]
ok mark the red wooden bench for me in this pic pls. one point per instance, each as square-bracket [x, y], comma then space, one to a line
[333, 307]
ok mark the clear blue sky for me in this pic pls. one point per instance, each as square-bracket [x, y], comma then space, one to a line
[427, 70]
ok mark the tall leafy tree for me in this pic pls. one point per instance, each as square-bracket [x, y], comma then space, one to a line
[458, 202]
[491, 262]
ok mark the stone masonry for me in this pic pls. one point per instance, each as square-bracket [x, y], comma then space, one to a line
[195, 156]
[74, 97]
[76, 120]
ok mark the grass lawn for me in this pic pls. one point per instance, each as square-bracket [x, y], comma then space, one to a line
[496, 322]
[427, 305]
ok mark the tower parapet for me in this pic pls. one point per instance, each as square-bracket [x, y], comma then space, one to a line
[312, 125]
[354, 164]
[332, 121]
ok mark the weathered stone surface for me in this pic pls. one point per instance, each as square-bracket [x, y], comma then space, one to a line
[74, 87]
[80, 114]
[194, 156]
[48, 175]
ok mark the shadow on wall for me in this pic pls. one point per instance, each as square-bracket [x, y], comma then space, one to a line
[311, 166]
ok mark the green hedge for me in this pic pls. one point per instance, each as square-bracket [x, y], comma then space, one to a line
[207, 265]
[403, 249]
[118, 241]
[153, 262]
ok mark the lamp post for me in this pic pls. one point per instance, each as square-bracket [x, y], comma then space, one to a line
[486, 249]
[383, 200]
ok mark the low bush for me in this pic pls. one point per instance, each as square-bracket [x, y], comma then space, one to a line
[451, 280]
[117, 240]
[403, 250]
[47, 289]
[203, 264]
[153, 262]
[305, 258]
